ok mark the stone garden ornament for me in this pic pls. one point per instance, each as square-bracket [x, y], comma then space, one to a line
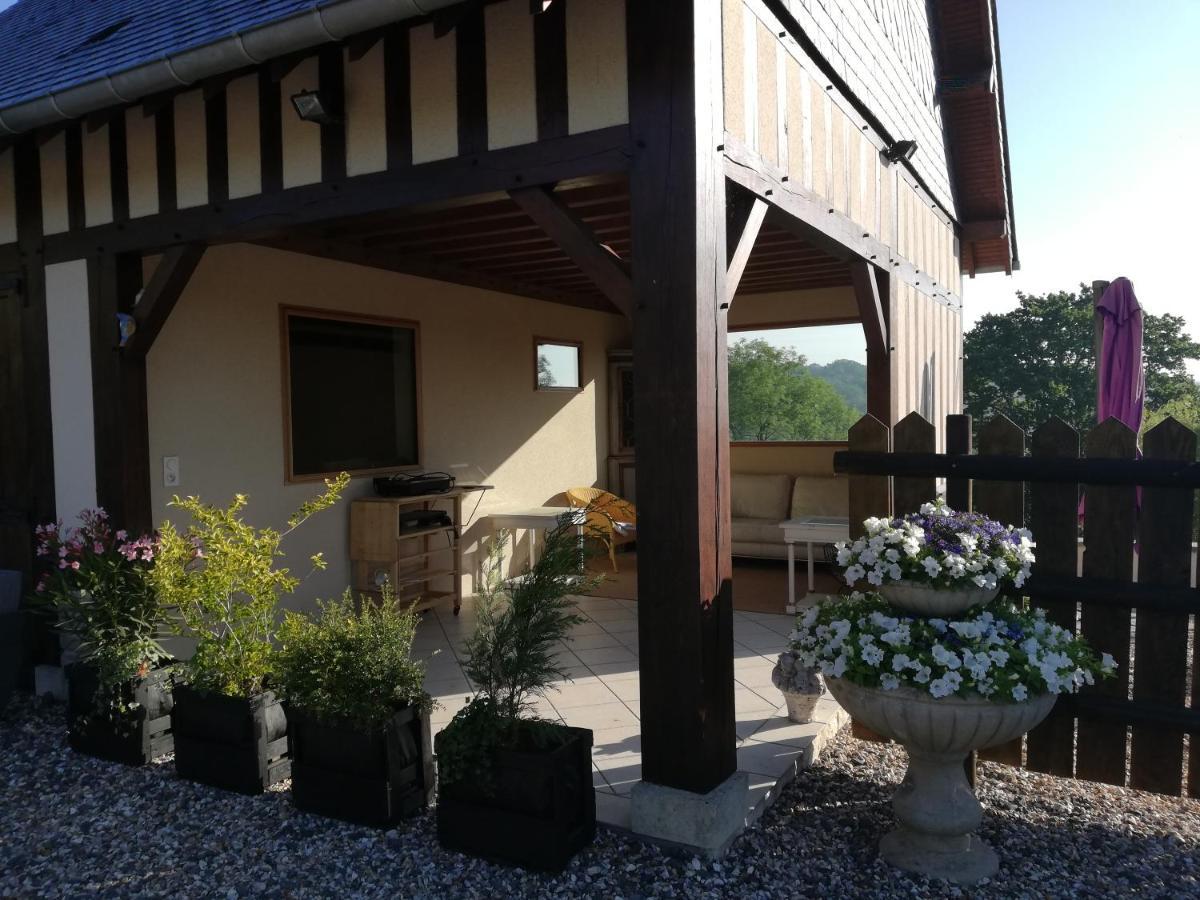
[942, 666]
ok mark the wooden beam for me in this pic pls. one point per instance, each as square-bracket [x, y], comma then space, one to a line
[119, 396]
[565, 228]
[576, 158]
[677, 210]
[161, 294]
[346, 251]
[871, 287]
[870, 309]
[746, 235]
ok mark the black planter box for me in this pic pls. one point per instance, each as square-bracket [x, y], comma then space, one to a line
[234, 743]
[370, 778]
[540, 813]
[135, 740]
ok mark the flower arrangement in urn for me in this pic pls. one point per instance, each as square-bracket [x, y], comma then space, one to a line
[938, 561]
[944, 669]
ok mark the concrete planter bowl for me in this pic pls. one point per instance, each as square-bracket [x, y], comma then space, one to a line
[925, 600]
[936, 808]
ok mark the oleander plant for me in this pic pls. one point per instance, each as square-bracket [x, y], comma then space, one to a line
[96, 584]
[1003, 651]
[938, 547]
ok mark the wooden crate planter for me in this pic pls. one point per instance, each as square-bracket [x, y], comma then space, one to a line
[135, 740]
[369, 778]
[234, 743]
[541, 813]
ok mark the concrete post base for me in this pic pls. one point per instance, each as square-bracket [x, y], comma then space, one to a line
[700, 824]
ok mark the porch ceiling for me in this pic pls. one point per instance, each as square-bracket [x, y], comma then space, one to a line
[490, 242]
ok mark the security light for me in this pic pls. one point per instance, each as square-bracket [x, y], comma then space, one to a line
[900, 150]
[315, 106]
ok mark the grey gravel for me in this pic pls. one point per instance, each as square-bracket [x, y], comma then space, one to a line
[71, 826]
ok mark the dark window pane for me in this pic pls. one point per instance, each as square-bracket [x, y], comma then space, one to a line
[353, 395]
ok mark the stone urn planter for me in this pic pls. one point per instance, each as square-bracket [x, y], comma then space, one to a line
[938, 812]
[801, 687]
[926, 600]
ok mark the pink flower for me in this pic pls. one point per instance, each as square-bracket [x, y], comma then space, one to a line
[98, 547]
[62, 563]
[75, 565]
[62, 552]
[122, 535]
[41, 586]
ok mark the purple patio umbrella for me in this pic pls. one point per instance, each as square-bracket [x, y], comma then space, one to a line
[1120, 370]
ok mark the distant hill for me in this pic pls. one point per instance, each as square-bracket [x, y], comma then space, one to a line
[848, 378]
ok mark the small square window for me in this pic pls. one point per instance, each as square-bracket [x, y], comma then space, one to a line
[558, 365]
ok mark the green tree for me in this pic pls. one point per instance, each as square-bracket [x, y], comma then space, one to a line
[773, 397]
[1038, 361]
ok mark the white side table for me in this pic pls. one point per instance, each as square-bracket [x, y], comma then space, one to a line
[809, 530]
[533, 519]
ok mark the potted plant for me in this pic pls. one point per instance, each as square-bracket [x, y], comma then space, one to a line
[96, 586]
[358, 721]
[220, 581]
[514, 788]
[937, 561]
[801, 686]
[943, 688]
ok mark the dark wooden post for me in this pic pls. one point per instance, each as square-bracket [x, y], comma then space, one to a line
[677, 206]
[872, 292]
[119, 395]
[958, 442]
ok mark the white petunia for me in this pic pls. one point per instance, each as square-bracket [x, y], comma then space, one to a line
[932, 566]
[1107, 663]
[900, 662]
[872, 655]
[888, 681]
[855, 574]
[1020, 692]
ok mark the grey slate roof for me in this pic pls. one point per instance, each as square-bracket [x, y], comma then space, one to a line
[50, 45]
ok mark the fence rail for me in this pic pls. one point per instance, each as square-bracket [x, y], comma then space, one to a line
[1129, 730]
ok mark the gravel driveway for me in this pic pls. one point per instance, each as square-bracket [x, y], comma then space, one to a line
[71, 826]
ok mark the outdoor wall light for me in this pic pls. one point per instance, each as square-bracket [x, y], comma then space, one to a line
[314, 106]
[900, 150]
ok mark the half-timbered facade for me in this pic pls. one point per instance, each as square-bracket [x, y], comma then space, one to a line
[606, 173]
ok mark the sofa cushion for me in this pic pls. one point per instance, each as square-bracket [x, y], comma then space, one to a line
[760, 496]
[759, 531]
[817, 495]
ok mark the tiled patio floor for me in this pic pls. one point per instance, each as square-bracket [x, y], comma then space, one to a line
[602, 659]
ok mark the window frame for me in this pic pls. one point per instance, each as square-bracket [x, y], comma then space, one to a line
[337, 315]
[559, 342]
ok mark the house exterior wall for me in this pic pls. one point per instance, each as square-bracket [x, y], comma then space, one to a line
[215, 394]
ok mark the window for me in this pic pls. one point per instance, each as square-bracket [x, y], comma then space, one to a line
[796, 384]
[352, 393]
[558, 365]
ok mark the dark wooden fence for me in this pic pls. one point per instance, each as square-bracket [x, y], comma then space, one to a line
[1132, 596]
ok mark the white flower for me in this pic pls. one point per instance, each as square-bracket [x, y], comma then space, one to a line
[897, 636]
[894, 572]
[889, 682]
[900, 662]
[940, 688]
[839, 666]
[932, 566]
[865, 640]
[1020, 693]
[844, 556]
[1107, 663]
[922, 673]
[892, 555]
[855, 574]
[875, 576]
[938, 625]
[872, 655]
[868, 557]
[944, 657]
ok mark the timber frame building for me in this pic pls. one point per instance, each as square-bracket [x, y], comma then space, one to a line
[646, 175]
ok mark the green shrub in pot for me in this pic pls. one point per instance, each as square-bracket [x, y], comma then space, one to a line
[498, 762]
[220, 580]
[358, 718]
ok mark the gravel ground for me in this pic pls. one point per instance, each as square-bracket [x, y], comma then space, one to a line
[71, 826]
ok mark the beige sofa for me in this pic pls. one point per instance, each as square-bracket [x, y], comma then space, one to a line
[761, 502]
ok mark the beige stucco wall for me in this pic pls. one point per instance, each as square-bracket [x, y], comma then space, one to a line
[215, 396]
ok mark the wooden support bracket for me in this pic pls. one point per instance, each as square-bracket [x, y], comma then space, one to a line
[755, 215]
[606, 270]
[870, 309]
[161, 294]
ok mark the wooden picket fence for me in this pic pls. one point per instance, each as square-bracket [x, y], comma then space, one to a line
[1132, 597]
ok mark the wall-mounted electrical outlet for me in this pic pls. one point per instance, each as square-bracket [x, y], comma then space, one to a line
[170, 471]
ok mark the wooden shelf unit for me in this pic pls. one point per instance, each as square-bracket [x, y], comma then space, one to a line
[411, 561]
